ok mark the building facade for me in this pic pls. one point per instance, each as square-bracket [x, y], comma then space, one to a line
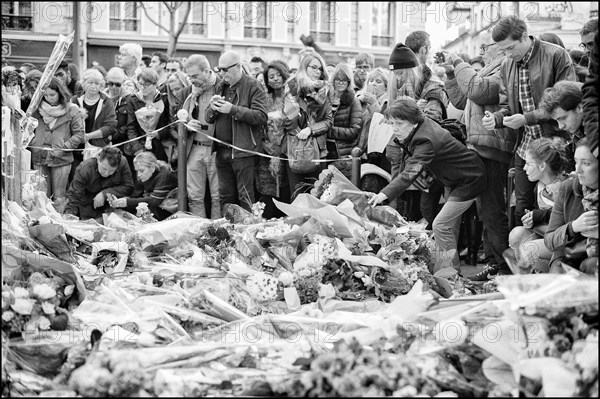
[470, 23]
[270, 30]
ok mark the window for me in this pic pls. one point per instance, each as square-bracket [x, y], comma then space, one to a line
[257, 20]
[322, 15]
[382, 27]
[196, 22]
[16, 15]
[291, 15]
[355, 23]
[124, 16]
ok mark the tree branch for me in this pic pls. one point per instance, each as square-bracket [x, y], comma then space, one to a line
[151, 20]
[185, 18]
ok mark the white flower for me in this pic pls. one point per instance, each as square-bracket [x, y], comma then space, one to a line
[262, 287]
[305, 272]
[20, 292]
[23, 306]
[69, 290]
[43, 323]
[48, 308]
[8, 315]
[44, 291]
[286, 278]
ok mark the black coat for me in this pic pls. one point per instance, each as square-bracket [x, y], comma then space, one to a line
[450, 162]
[134, 129]
[88, 182]
[347, 121]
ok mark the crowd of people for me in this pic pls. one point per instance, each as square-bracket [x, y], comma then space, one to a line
[109, 139]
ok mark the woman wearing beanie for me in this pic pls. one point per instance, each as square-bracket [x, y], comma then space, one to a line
[309, 88]
[411, 79]
[430, 152]
[155, 181]
[347, 119]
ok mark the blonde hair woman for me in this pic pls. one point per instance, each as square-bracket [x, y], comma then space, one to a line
[347, 119]
[156, 179]
[309, 87]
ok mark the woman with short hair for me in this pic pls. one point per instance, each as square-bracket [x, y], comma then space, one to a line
[430, 152]
[147, 111]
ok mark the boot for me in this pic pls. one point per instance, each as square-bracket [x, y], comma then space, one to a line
[475, 228]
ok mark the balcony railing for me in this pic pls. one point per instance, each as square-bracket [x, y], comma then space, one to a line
[124, 24]
[322, 37]
[381, 41]
[17, 22]
[257, 33]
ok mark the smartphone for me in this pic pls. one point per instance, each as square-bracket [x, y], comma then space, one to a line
[440, 57]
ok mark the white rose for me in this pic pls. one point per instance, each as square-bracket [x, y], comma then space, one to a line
[48, 308]
[8, 315]
[23, 306]
[44, 291]
[43, 323]
[20, 292]
[286, 278]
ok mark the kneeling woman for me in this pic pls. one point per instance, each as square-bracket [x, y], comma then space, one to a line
[429, 149]
[157, 180]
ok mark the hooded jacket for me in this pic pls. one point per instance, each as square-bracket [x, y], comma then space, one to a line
[347, 121]
[480, 91]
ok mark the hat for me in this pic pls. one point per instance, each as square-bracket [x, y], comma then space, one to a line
[402, 58]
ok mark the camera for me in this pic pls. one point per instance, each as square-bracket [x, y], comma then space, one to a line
[440, 58]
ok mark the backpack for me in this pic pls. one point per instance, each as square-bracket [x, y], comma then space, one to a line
[457, 129]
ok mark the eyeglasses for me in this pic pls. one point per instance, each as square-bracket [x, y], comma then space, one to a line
[484, 47]
[586, 46]
[315, 67]
[343, 81]
[363, 67]
[172, 70]
[224, 70]
[111, 84]
[145, 85]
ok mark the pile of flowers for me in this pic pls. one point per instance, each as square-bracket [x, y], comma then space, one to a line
[35, 305]
[353, 370]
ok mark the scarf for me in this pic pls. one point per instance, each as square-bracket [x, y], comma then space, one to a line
[590, 203]
[191, 102]
[50, 113]
[319, 92]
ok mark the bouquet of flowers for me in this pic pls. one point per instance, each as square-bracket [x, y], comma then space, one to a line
[35, 305]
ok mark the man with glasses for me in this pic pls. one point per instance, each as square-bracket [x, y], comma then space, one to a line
[530, 67]
[364, 63]
[238, 111]
[119, 93]
[478, 93]
[587, 36]
[200, 158]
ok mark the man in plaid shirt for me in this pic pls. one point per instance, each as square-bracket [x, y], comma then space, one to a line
[529, 68]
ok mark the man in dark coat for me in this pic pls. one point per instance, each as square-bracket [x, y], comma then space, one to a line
[94, 178]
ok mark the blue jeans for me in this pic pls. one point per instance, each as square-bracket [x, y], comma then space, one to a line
[492, 208]
[446, 226]
[201, 165]
[236, 179]
[524, 191]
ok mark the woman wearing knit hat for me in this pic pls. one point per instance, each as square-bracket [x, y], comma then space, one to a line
[416, 81]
